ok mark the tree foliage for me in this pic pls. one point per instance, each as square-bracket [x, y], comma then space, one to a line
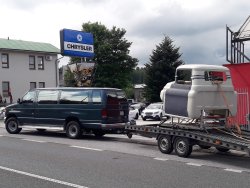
[161, 68]
[138, 75]
[114, 64]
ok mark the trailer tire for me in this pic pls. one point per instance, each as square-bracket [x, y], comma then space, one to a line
[222, 149]
[182, 147]
[165, 144]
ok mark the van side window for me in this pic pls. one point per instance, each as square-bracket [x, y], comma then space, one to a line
[47, 97]
[184, 76]
[74, 97]
[29, 97]
[96, 97]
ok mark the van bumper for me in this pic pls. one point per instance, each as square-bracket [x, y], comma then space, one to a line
[114, 126]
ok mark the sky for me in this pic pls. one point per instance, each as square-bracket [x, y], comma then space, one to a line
[197, 27]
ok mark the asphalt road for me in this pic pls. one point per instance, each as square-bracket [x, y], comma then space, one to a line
[50, 159]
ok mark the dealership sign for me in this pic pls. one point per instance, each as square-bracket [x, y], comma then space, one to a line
[76, 43]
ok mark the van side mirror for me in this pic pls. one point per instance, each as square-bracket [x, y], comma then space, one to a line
[19, 101]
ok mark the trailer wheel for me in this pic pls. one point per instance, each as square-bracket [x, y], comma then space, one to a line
[221, 149]
[165, 144]
[182, 147]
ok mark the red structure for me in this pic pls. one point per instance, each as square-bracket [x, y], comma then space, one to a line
[240, 74]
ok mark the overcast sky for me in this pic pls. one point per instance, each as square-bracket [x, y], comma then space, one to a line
[198, 27]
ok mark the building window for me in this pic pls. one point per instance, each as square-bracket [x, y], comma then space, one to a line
[40, 63]
[32, 64]
[6, 88]
[32, 85]
[41, 84]
[5, 61]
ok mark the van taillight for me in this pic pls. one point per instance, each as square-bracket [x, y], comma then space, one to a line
[104, 113]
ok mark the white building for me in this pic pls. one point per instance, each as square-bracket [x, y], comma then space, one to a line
[25, 65]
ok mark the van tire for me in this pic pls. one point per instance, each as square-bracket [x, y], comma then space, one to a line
[12, 125]
[73, 130]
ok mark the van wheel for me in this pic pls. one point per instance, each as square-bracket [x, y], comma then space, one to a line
[12, 126]
[73, 130]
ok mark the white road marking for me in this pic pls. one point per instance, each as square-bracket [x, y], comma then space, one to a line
[233, 170]
[194, 164]
[39, 141]
[42, 177]
[94, 149]
[161, 159]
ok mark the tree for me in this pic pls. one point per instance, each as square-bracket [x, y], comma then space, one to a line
[138, 76]
[114, 64]
[161, 68]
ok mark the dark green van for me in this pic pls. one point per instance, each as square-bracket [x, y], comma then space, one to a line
[74, 110]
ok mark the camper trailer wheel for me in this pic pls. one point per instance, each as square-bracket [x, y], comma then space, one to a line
[73, 130]
[12, 125]
[165, 144]
[182, 147]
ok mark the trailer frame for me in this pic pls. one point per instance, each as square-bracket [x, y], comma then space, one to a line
[182, 138]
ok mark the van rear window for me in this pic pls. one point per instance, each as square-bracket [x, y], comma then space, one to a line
[114, 97]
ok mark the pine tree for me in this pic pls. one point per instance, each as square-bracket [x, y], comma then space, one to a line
[161, 68]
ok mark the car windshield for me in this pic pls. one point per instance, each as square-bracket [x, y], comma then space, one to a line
[154, 106]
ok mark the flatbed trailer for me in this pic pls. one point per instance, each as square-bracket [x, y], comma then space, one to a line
[182, 138]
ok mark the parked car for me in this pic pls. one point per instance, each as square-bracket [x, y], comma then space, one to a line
[133, 113]
[153, 111]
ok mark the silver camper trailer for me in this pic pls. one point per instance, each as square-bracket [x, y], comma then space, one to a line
[200, 90]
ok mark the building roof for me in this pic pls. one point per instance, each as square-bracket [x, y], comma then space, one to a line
[20, 45]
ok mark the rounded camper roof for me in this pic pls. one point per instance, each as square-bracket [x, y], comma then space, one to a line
[203, 67]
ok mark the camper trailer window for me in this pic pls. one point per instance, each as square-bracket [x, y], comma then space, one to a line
[184, 76]
[215, 76]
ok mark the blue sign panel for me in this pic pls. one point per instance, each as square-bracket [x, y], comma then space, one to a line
[76, 43]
